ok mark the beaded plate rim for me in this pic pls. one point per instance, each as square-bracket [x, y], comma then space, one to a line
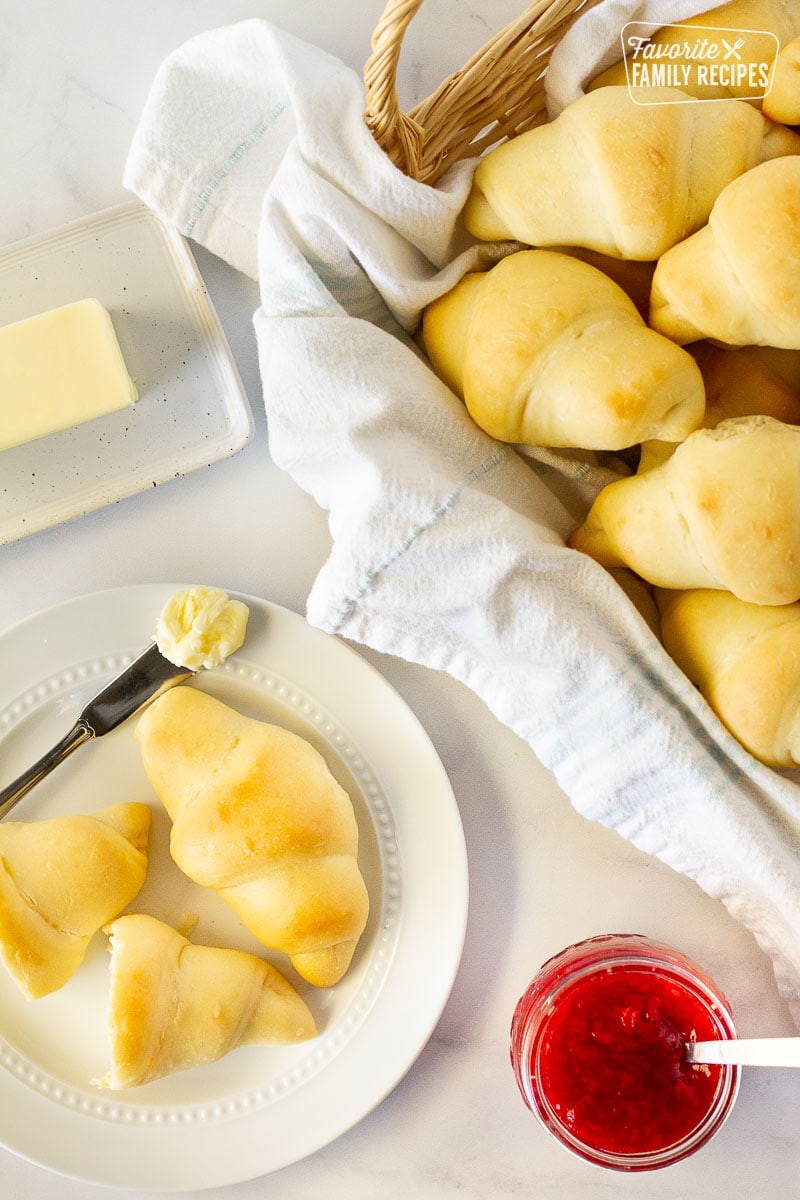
[99, 1105]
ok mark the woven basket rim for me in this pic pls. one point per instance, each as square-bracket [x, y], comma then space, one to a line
[496, 95]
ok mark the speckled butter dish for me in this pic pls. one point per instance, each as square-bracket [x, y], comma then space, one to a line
[192, 410]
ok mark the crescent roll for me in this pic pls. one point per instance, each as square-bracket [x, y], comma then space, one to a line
[258, 816]
[737, 280]
[722, 512]
[62, 879]
[546, 350]
[745, 660]
[628, 179]
[782, 101]
[174, 1005]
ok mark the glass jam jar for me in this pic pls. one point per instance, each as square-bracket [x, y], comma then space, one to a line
[597, 1047]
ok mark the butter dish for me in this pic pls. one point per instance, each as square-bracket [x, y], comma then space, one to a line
[192, 409]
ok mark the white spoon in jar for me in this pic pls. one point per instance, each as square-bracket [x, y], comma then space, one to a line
[747, 1052]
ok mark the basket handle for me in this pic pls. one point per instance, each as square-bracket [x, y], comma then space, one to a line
[498, 94]
[397, 134]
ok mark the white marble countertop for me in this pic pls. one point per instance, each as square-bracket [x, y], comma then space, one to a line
[74, 77]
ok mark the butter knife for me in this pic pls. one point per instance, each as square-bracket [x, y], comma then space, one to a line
[146, 677]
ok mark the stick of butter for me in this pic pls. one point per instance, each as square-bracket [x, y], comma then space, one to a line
[59, 369]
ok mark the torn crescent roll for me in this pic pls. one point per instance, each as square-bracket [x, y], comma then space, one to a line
[174, 1005]
[62, 879]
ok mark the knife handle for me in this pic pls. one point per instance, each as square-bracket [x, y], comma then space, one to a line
[747, 1052]
[9, 796]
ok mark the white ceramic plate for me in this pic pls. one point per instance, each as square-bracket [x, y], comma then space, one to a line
[192, 409]
[260, 1108]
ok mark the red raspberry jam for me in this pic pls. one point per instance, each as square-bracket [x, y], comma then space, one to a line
[597, 1046]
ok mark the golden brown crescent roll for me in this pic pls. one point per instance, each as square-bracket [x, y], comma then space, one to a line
[174, 1005]
[628, 179]
[546, 350]
[737, 280]
[722, 512]
[745, 660]
[782, 101]
[765, 17]
[258, 817]
[60, 880]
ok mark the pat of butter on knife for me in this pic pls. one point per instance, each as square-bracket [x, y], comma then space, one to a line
[59, 369]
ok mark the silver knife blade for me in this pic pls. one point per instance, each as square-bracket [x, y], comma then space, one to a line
[145, 678]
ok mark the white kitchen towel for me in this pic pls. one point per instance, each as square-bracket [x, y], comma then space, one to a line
[448, 548]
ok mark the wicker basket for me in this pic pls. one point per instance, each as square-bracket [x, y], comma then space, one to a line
[496, 95]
